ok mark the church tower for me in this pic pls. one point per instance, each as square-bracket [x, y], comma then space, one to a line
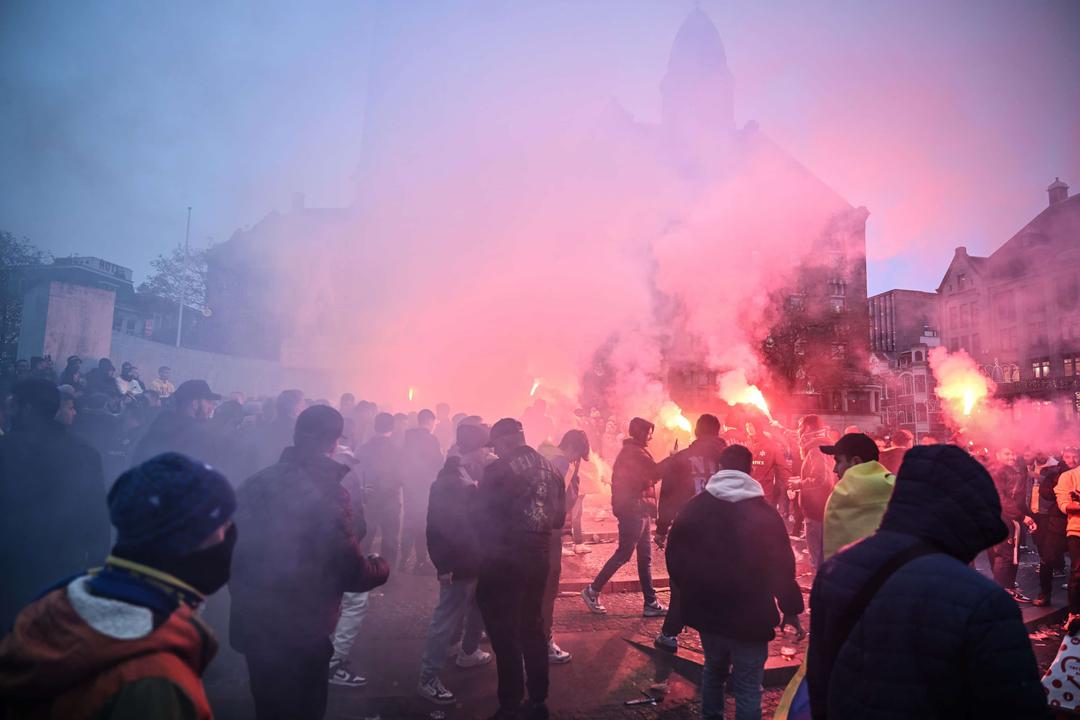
[697, 93]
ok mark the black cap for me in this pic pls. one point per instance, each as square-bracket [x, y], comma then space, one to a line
[506, 427]
[195, 390]
[854, 445]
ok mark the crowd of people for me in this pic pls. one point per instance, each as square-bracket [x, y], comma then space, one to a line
[127, 504]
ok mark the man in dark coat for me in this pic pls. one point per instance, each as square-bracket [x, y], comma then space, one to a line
[684, 475]
[732, 561]
[1050, 538]
[53, 497]
[1011, 486]
[938, 639]
[185, 428]
[633, 478]
[520, 502]
[276, 435]
[423, 458]
[296, 555]
[381, 465]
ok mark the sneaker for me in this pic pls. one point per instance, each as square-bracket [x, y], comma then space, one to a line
[556, 655]
[567, 551]
[582, 549]
[667, 643]
[474, 659]
[592, 601]
[342, 675]
[1041, 601]
[1018, 596]
[432, 689]
[654, 609]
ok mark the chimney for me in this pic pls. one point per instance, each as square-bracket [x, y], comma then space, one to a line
[961, 251]
[298, 201]
[1058, 191]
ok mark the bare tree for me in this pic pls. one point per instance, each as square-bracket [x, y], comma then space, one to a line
[171, 275]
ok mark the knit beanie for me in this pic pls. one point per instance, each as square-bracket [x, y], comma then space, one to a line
[169, 505]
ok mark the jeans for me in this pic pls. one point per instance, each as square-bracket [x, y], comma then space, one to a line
[1051, 542]
[414, 535]
[382, 511]
[576, 512]
[457, 604]
[1002, 559]
[1074, 573]
[551, 587]
[815, 542]
[633, 534]
[354, 607]
[288, 678]
[744, 661]
[510, 602]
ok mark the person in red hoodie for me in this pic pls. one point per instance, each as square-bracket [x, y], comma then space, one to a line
[124, 641]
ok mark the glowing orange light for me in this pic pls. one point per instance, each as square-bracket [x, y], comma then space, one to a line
[672, 418]
[959, 380]
[412, 391]
[734, 390]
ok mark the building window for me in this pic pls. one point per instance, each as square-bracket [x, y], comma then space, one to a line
[961, 281]
[905, 385]
[839, 351]
[954, 317]
[131, 326]
[837, 288]
[1038, 336]
[795, 302]
[837, 304]
[965, 315]
[920, 412]
[1040, 368]
[920, 383]
[1007, 339]
[1072, 365]
[118, 324]
[1005, 307]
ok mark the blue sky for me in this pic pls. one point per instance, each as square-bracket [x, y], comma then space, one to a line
[945, 119]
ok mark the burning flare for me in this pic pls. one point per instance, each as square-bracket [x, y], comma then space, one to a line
[535, 387]
[412, 391]
[734, 390]
[672, 418]
[959, 381]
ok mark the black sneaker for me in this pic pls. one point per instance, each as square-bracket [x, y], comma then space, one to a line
[1018, 596]
[343, 676]
[667, 643]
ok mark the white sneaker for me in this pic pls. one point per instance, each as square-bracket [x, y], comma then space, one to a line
[556, 655]
[433, 690]
[475, 659]
[567, 551]
[582, 549]
[592, 601]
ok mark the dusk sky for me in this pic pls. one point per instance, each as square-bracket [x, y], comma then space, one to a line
[947, 120]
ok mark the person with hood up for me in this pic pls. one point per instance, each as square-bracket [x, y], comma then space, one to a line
[185, 428]
[633, 477]
[902, 626]
[520, 502]
[452, 544]
[858, 500]
[299, 553]
[731, 559]
[125, 641]
[683, 476]
[52, 492]
[815, 484]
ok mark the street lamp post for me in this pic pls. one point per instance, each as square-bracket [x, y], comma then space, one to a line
[183, 279]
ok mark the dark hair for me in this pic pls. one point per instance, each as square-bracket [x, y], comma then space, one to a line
[737, 457]
[576, 440]
[319, 426]
[425, 415]
[287, 400]
[707, 425]
[810, 422]
[384, 423]
[37, 396]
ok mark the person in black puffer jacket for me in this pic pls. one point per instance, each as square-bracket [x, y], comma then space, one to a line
[938, 639]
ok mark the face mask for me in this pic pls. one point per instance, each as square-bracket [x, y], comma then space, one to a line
[206, 570]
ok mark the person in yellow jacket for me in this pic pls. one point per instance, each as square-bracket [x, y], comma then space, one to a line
[852, 512]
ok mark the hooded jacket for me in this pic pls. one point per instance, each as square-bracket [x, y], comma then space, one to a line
[817, 476]
[685, 474]
[938, 640]
[77, 656]
[632, 476]
[297, 552]
[56, 521]
[730, 557]
[451, 538]
[856, 505]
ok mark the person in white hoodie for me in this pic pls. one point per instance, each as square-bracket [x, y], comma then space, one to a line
[729, 553]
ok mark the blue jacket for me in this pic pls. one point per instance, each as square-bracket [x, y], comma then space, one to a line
[938, 640]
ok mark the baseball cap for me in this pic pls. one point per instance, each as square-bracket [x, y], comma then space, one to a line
[854, 445]
[195, 390]
[506, 428]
